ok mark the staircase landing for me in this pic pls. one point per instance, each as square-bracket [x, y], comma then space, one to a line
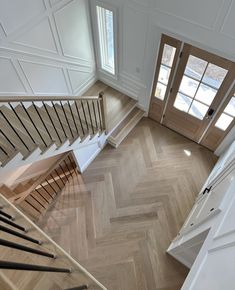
[119, 105]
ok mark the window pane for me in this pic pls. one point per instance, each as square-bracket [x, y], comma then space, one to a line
[168, 55]
[160, 91]
[106, 39]
[195, 67]
[109, 31]
[164, 74]
[223, 122]
[188, 86]
[182, 102]
[198, 110]
[230, 109]
[214, 75]
[205, 94]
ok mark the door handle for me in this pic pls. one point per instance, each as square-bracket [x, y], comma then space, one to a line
[207, 190]
[210, 113]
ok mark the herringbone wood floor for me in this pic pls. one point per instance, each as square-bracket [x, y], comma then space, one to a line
[119, 217]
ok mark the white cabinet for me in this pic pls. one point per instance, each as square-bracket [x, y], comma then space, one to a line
[208, 207]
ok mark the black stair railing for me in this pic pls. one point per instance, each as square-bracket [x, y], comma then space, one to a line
[11, 265]
[31, 267]
[57, 258]
[41, 122]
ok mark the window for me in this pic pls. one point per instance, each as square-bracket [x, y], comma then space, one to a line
[165, 71]
[199, 86]
[105, 20]
[227, 116]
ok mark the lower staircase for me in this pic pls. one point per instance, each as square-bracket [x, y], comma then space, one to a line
[29, 259]
[36, 195]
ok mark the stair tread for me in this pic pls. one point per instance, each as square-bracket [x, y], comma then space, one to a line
[126, 125]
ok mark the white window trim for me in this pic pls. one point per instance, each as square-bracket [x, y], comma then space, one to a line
[98, 51]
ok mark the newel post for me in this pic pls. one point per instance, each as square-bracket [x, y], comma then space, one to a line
[103, 107]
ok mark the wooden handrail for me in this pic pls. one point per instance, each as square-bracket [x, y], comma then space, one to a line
[46, 98]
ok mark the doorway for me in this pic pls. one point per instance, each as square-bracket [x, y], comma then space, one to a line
[192, 92]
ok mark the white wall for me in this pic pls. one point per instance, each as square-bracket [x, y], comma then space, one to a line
[208, 24]
[45, 47]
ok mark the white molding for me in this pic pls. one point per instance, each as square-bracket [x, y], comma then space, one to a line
[225, 18]
[2, 31]
[83, 63]
[18, 76]
[80, 59]
[211, 27]
[84, 87]
[32, 46]
[48, 65]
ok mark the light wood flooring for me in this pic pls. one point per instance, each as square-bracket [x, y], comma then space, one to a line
[119, 217]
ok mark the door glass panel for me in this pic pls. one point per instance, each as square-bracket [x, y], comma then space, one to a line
[168, 55]
[224, 121]
[214, 75]
[164, 74]
[188, 86]
[198, 110]
[227, 116]
[205, 94]
[160, 91]
[201, 81]
[230, 109]
[195, 67]
[182, 102]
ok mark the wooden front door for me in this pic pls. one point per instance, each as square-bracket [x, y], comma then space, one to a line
[202, 80]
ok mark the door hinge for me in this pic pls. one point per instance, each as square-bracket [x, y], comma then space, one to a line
[181, 54]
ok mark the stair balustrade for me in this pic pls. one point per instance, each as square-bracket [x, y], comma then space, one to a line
[40, 123]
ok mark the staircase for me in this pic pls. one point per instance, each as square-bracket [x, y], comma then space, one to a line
[35, 129]
[31, 130]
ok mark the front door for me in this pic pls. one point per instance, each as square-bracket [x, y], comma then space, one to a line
[201, 82]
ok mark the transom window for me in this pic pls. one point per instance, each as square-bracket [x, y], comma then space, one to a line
[199, 87]
[106, 38]
[227, 116]
[165, 71]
